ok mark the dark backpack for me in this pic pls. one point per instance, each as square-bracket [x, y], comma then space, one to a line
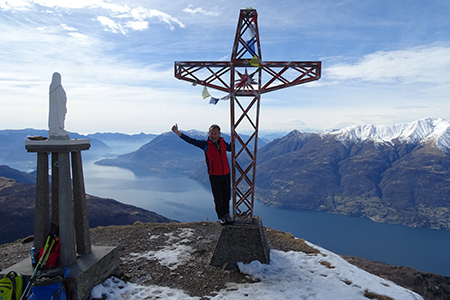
[11, 286]
[51, 284]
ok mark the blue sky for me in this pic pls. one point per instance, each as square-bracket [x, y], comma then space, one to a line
[383, 62]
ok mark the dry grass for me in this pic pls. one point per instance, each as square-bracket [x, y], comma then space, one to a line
[327, 264]
[285, 241]
[372, 295]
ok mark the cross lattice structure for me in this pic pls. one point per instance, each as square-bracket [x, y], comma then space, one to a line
[244, 78]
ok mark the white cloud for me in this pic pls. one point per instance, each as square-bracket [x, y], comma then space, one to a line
[28, 4]
[82, 39]
[193, 11]
[224, 58]
[141, 13]
[137, 25]
[133, 18]
[110, 25]
[417, 65]
[68, 3]
[19, 5]
[115, 8]
[68, 28]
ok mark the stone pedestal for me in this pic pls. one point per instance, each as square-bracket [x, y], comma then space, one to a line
[88, 265]
[67, 206]
[244, 241]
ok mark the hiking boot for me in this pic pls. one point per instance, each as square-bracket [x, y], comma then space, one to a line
[223, 221]
[228, 219]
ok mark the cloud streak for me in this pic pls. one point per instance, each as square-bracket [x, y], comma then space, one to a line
[417, 65]
[193, 11]
[118, 16]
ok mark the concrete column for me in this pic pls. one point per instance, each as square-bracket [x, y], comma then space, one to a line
[55, 189]
[66, 211]
[41, 212]
[81, 214]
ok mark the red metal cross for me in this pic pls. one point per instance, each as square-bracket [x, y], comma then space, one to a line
[244, 78]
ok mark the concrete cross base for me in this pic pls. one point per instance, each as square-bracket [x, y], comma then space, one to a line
[241, 242]
[87, 271]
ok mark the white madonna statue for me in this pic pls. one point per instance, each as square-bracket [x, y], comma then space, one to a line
[57, 109]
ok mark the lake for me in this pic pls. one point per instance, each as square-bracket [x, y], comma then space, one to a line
[177, 197]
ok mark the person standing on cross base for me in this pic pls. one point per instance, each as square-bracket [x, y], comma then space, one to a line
[215, 149]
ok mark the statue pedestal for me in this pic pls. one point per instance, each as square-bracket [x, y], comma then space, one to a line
[65, 208]
[241, 242]
[88, 265]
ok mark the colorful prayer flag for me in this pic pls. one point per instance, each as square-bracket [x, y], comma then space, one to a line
[212, 100]
[205, 93]
[227, 97]
[251, 46]
[254, 61]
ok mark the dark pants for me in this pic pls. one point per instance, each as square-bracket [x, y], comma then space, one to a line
[221, 190]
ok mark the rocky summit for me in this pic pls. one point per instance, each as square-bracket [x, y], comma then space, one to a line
[171, 261]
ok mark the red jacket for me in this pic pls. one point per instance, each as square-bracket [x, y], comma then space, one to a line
[217, 161]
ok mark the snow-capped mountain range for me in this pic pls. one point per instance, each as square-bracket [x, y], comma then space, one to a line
[426, 130]
[388, 173]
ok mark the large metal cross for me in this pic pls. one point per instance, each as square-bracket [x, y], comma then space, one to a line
[244, 79]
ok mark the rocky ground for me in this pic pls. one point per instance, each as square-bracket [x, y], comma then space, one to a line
[194, 243]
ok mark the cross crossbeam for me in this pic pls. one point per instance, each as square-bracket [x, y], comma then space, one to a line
[244, 78]
[277, 79]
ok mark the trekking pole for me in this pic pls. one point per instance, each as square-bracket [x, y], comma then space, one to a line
[35, 271]
[42, 261]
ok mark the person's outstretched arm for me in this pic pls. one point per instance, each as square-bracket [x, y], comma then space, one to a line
[175, 129]
[199, 143]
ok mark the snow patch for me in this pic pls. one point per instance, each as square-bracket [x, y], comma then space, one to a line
[174, 253]
[290, 275]
[113, 289]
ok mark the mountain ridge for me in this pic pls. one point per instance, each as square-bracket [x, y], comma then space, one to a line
[397, 174]
[389, 173]
[425, 130]
[167, 152]
[14, 154]
[17, 214]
